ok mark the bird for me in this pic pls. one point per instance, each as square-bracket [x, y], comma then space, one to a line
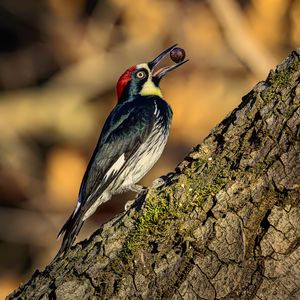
[131, 141]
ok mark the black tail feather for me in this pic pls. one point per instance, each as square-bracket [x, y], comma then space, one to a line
[70, 231]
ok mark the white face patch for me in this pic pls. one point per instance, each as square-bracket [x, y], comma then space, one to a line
[149, 88]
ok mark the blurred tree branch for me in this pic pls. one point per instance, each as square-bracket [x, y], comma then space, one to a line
[239, 37]
[226, 226]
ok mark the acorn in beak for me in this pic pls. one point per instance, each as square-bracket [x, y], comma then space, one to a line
[176, 54]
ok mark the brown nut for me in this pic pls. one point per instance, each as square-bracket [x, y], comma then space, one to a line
[177, 55]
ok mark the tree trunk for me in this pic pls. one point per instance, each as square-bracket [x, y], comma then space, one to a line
[225, 227]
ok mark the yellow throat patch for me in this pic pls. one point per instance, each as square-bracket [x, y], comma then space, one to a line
[149, 88]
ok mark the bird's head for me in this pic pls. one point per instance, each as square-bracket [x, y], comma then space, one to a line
[143, 79]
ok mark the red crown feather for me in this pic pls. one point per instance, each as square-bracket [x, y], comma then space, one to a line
[123, 80]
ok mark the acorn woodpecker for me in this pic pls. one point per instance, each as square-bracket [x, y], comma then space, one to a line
[132, 140]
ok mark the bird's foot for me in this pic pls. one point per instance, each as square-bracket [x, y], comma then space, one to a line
[164, 181]
[138, 188]
[142, 192]
[128, 204]
[158, 183]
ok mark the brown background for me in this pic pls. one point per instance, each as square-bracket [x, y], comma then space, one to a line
[59, 62]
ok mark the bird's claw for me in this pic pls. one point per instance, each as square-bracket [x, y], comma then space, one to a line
[164, 181]
[138, 202]
[158, 184]
[128, 204]
[138, 188]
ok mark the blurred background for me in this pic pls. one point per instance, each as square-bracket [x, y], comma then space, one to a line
[59, 62]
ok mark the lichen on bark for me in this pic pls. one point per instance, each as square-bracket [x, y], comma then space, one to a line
[225, 227]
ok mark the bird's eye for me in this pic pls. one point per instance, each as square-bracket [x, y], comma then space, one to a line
[140, 74]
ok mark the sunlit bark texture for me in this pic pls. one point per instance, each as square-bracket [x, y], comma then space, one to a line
[225, 227]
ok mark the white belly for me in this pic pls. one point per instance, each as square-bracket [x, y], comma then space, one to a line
[144, 159]
[144, 165]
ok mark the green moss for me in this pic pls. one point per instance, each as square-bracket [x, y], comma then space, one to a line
[282, 77]
[268, 95]
[158, 218]
[156, 212]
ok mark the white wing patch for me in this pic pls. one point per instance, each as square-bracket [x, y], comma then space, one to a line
[115, 167]
[77, 207]
[155, 110]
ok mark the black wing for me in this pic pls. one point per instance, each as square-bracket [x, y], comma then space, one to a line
[127, 127]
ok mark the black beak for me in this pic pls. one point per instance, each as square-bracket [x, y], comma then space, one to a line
[158, 75]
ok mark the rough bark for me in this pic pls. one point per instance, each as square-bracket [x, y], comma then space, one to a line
[226, 226]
